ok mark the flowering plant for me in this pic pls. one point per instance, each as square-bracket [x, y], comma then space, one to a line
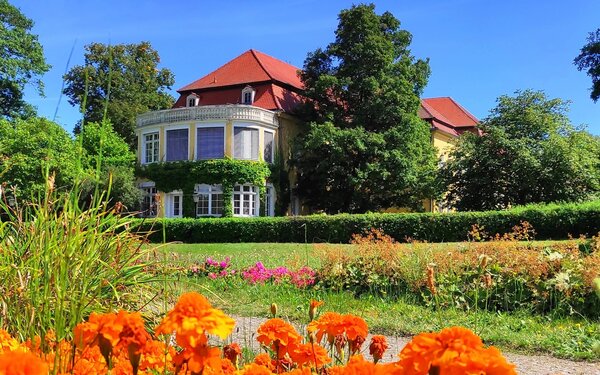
[118, 343]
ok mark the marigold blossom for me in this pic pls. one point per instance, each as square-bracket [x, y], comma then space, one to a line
[191, 318]
[278, 335]
[22, 363]
[378, 347]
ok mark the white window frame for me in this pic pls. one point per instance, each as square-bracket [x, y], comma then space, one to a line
[248, 90]
[270, 199]
[192, 100]
[272, 148]
[167, 141]
[143, 155]
[211, 125]
[209, 190]
[253, 200]
[247, 126]
[149, 191]
[170, 199]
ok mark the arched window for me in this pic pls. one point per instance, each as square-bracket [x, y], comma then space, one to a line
[248, 95]
[192, 100]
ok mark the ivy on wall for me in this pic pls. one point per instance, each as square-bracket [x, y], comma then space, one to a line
[184, 175]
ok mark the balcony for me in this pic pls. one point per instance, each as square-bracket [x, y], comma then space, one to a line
[208, 112]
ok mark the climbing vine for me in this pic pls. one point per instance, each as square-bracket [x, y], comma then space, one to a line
[184, 175]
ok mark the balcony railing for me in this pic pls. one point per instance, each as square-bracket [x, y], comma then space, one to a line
[208, 112]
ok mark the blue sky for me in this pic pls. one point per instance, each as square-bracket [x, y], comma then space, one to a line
[478, 49]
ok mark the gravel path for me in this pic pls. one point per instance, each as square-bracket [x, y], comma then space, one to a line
[245, 333]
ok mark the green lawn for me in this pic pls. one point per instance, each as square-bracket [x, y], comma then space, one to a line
[521, 331]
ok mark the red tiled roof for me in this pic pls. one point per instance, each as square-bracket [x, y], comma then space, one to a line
[268, 96]
[447, 115]
[449, 111]
[250, 67]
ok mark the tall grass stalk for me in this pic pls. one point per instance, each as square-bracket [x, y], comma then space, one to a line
[60, 261]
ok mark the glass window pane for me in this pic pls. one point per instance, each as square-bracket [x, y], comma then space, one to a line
[245, 143]
[268, 149]
[177, 144]
[210, 143]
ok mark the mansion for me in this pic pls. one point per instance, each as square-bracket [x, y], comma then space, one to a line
[244, 111]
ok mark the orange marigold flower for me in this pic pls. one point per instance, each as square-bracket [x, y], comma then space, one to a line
[263, 359]
[305, 354]
[227, 367]
[453, 351]
[278, 335]
[329, 323]
[357, 365]
[312, 310]
[377, 347]
[156, 355]
[191, 318]
[255, 369]
[7, 342]
[201, 359]
[232, 352]
[22, 363]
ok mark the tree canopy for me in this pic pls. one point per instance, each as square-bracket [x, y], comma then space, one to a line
[109, 163]
[21, 61]
[29, 148]
[589, 58]
[118, 82]
[528, 152]
[366, 148]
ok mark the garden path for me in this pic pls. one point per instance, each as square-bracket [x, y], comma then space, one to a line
[245, 335]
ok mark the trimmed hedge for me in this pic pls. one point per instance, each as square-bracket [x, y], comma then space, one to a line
[549, 222]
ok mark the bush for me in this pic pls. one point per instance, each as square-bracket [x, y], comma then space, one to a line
[549, 221]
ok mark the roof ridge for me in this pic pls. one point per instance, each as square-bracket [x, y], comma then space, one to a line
[261, 64]
[469, 114]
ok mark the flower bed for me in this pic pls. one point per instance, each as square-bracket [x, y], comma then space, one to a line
[119, 342]
[256, 274]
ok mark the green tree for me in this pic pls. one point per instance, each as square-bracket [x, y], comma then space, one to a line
[528, 152]
[108, 160]
[21, 61]
[366, 147]
[117, 83]
[29, 148]
[589, 58]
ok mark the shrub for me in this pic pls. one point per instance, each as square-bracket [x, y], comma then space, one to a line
[499, 275]
[549, 222]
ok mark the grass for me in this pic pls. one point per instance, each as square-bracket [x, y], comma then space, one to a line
[520, 331]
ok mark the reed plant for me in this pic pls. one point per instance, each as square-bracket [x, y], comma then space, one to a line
[61, 260]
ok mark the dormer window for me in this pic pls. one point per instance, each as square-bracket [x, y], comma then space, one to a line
[248, 95]
[193, 100]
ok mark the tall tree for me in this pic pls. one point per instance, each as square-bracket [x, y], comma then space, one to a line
[589, 58]
[21, 61]
[528, 153]
[117, 83]
[366, 148]
[108, 160]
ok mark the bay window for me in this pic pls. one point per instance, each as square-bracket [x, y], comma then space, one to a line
[245, 143]
[268, 147]
[209, 200]
[210, 143]
[245, 200]
[151, 143]
[177, 144]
